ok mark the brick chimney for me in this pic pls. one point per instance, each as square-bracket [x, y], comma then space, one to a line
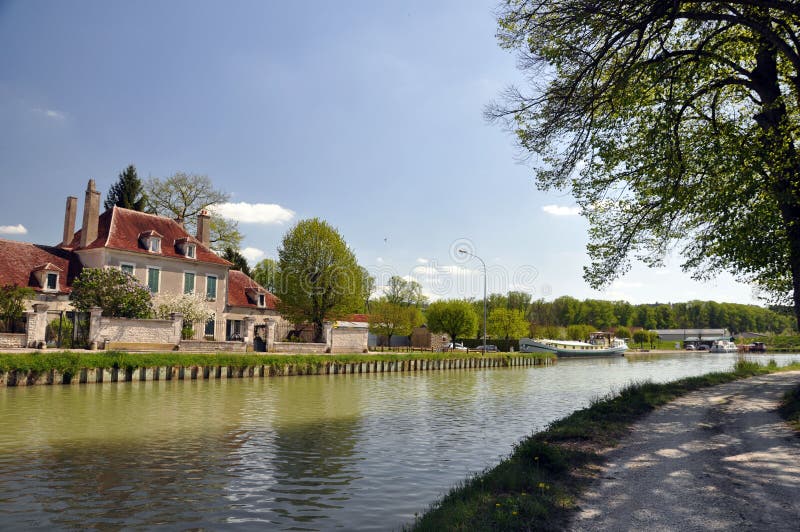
[69, 220]
[204, 228]
[91, 213]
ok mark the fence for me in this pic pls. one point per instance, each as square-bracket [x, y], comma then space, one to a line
[67, 329]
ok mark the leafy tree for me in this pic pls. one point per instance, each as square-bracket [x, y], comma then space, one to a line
[184, 196]
[519, 301]
[267, 274]
[127, 192]
[455, 317]
[321, 278]
[393, 319]
[652, 337]
[192, 306]
[623, 332]
[238, 260]
[12, 304]
[117, 293]
[640, 337]
[662, 107]
[368, 282]
[580, 332]
[404, 292]
[506, 323]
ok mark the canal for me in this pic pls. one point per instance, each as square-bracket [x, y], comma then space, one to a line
[301, 453]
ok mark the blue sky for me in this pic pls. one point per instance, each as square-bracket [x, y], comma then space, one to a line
[365, 114]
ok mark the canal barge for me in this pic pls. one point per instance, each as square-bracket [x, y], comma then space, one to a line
[599, 345]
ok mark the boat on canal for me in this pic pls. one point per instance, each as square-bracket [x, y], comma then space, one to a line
[723, 346]
[600, 344]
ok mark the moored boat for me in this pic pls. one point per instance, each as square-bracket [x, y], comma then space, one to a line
[599, 345]
[723, 346]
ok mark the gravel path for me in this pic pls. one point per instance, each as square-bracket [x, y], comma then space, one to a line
[715, 459]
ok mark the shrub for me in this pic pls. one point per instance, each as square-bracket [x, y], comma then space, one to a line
[117, 293]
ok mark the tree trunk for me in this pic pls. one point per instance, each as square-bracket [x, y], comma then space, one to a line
[779, 146]
[319, 332]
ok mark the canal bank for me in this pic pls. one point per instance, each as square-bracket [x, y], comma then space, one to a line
[45, 368]
[540, 484]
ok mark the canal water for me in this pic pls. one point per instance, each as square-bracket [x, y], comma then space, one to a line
[290, 453]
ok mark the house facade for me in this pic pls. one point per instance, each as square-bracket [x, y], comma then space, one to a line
[155, 250]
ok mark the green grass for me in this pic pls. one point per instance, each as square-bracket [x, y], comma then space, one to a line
[70, 362]
[537, 486]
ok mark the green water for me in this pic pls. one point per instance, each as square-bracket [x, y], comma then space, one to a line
[301, 453]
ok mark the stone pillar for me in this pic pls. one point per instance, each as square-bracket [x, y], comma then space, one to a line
[249, 323]
[327, 329]
[94, 327]
[177, 326]
[271, 327]
[36, 326]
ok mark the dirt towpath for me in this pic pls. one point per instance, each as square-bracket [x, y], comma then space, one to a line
[716, 459]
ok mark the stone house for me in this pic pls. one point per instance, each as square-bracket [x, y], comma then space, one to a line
[155, 250]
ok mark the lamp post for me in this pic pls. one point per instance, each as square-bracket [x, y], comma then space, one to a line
[465, 252]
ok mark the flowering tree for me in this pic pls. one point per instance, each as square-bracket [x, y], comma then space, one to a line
[192, 306]
[117, 293]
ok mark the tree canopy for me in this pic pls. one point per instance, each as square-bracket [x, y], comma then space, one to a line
[507, 323]
[404, 292]
[672, 123]
[455, 317]
[320, 277]
[127, 192]
[387, 318]
[119, 295]
[239, 261]
[183, 196]
[12, 305]
[267, 274]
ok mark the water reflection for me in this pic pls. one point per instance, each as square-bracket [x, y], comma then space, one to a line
[350, 451]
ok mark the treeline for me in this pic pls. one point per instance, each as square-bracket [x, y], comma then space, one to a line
[565, 311]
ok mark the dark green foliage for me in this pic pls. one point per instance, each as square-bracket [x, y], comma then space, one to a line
[455, 317]
[238, 260]
[674, 125]
[790, 408]
[116, 292]
[127, 192]
[12, 305]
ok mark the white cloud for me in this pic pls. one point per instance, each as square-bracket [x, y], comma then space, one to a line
[253, 254]
[422, 261]
[254, 213]
[432, 271]
[18, 229]
[379, 260]
[561, 210]
[50, 113]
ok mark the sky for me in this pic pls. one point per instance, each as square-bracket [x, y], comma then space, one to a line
[366, 114]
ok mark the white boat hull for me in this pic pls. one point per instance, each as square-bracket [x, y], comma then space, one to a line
[570, 349]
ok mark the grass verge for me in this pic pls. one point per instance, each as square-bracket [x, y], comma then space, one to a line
[537, 486]
[69, 362]
[790, 408]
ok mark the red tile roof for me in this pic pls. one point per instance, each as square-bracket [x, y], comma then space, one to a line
[358, 318]
[18, 261]
[239, 284]
[120, 228]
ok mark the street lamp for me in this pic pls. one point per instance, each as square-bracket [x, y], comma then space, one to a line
[465, 252]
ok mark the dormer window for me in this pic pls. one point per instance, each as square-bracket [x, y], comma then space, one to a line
[151, 241]
[257, 296]
[186, 247]
[48, 275]
[262, 300]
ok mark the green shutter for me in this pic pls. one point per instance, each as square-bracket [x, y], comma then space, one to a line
[211, 287]
[152, 279]
[188, 283]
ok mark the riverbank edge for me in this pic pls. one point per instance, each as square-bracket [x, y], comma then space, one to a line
[537, 486]
[31, 369]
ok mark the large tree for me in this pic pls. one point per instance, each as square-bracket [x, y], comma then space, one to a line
[455, 317]
[127, 192]
[671, 123]
[507, 323]
[238, 260]
[267, 274]
[393, 319]
[404, 292]
[320, 277]
[183, 196]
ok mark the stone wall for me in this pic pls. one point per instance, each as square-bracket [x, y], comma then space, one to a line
[13, 340]
[298, 347]
[128, 331]
[349, 339]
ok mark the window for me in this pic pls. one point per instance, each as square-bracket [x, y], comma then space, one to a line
[209, 330]
[188, 282]
[262, 300]
[127, 268]
[233, 330]
[190, 251]
[153, 278]
[154, 245]
[52, 281]
[211, 287]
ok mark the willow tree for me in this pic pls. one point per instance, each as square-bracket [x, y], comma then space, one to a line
[674, 124]
[320, 277]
